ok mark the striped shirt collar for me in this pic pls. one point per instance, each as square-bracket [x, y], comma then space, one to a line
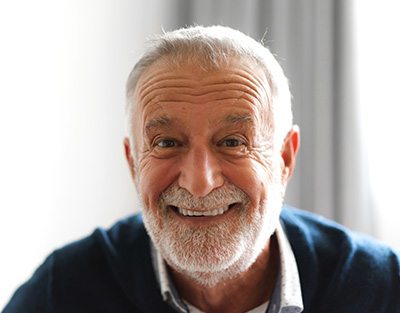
[286, 297]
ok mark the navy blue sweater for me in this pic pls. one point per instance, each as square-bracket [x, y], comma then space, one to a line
[111, 271]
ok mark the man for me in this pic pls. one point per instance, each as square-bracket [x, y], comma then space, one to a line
[211, 148]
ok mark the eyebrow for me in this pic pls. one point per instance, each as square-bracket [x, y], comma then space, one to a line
[157, 122]
[239, 119]
[164, 121]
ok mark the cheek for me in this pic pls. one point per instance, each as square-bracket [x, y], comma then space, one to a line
[155, 176]
[252, 177]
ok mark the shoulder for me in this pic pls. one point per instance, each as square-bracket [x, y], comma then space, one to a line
[128, 233]
[103, 250]
[97, 273]
[325, 237]
[341, 267]
[106, 265]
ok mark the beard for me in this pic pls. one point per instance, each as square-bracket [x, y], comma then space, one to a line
[216, 251]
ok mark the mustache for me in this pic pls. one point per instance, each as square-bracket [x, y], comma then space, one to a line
[217, 198]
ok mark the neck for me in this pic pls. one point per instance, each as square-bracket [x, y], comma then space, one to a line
[239, 294]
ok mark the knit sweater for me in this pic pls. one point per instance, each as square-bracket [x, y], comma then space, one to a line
[111, 271]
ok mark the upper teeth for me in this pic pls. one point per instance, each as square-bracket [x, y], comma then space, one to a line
[203, 213]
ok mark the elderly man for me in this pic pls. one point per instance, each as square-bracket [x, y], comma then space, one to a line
[211, 148]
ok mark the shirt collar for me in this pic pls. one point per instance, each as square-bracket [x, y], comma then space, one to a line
[286, 297]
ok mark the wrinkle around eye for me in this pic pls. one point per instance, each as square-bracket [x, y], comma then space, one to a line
[239, 151]
[262, 154]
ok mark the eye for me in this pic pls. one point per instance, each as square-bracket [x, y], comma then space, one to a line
[231, 142]
[166, 143]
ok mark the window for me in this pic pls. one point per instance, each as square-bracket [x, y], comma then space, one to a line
[377, 57]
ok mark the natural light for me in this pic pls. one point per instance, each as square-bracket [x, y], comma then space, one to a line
[378, 67]
[61, 120]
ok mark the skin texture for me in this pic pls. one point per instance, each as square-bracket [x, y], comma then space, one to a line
[206, 133]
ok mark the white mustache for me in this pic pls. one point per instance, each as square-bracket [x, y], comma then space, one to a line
[217, 198]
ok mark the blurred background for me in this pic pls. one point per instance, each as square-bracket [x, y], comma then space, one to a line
[63, 66]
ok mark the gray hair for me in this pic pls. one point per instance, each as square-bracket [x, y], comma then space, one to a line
[212, 47]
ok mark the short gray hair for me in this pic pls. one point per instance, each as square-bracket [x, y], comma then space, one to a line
[212, 47]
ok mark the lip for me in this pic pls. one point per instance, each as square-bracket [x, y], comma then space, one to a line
[206, 219]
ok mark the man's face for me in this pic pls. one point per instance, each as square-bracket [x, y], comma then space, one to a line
[208, 176]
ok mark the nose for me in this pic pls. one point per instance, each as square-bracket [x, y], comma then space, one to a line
[200, 172]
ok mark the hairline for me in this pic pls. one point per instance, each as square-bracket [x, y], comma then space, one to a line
[178, 50]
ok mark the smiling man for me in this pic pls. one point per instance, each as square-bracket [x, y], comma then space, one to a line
[209, 171]
[211, 148]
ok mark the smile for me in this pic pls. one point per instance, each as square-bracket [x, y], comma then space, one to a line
[213, 212]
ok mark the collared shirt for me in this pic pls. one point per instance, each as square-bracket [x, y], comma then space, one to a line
[286, 297]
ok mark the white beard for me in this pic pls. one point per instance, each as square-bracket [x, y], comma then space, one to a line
[214, 252]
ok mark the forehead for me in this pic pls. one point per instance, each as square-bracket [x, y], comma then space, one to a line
[166, 87]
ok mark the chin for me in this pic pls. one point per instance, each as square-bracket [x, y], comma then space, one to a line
[218, 252]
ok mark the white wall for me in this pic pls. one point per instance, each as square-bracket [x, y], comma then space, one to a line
[63, 66]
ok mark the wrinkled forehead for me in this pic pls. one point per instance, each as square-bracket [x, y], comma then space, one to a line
[169, 77]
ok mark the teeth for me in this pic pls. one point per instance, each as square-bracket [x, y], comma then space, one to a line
[214, 212]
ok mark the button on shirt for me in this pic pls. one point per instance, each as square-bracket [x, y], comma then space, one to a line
[286, 297]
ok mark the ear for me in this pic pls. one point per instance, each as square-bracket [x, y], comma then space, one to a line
[129, 157]
[289, 152]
